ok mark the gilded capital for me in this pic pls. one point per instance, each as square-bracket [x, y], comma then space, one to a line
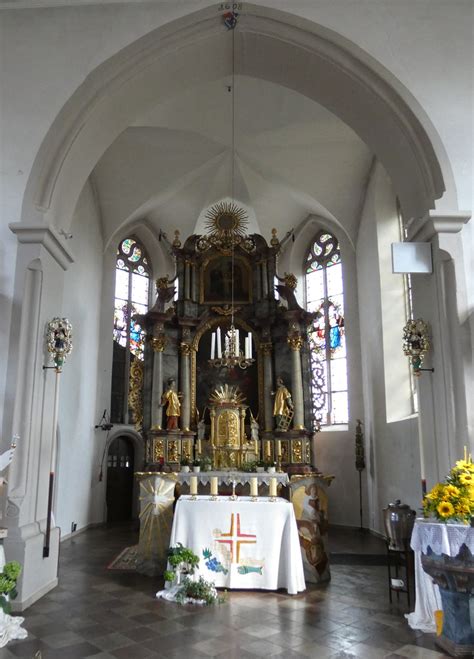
[185, 348]
[158, 343]
[295, 341]
[266, 348]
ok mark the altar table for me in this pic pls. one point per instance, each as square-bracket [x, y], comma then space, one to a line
[442, 539]
[242, 543]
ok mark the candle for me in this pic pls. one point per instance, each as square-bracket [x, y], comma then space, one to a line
[273, 487]
[237, 342]
[246, 344]
[256, 447]
[219, 343]
[278, 447]
[254, 486]
[249, 338]
[193, 485]
[269, 450]
[213, 345]
[214, 484]
[199, 447]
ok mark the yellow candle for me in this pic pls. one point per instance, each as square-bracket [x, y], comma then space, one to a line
[278, 447]
[214, 484]
[273, 487]
[193, 485]
[199, 446]
[255, 448]
[254, 486]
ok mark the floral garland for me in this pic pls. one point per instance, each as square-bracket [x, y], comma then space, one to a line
[453, 499]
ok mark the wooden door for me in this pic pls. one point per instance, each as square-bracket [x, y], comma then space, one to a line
[119, 496]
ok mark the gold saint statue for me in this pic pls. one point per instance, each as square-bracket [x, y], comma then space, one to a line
[283, 406]
[173, 406]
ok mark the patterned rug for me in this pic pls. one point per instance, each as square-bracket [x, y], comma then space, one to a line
[126, 560]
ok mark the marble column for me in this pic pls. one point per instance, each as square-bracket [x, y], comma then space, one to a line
[295, 342]
[185, 386]
[158, 345]
[266, 353]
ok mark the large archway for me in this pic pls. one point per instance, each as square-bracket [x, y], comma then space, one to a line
[269, 45]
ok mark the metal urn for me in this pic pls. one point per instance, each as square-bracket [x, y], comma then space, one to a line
[398, 520]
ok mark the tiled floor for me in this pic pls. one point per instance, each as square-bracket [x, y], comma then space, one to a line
[104, 614]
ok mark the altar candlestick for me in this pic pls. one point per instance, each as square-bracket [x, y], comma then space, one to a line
[219, 343]
[273, 487]
[213, 345]
[254, 486]
[193, 485]
[214, 484]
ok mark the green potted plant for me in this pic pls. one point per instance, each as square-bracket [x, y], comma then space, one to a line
[260, 466]
[270, 467]
[206, 463]
[8, 578]
[196, 465]
[184, 464]
[182, 561]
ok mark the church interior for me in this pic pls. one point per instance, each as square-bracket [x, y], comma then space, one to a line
[202, 308]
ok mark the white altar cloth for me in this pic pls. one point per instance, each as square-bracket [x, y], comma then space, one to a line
[443, 539]
[242, 543]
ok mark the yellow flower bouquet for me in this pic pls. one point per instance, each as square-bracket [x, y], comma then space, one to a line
[453, 499]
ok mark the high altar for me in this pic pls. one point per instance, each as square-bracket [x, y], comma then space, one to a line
[226, 370]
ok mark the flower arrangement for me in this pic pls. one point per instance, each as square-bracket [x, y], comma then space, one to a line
[8, 578]
[184, 561]
[200, 591]
[453, 499]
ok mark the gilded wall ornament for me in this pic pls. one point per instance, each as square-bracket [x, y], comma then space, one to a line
[416, 343]
[186, 349]
[290, 280]
[59, 341]
[135, 394]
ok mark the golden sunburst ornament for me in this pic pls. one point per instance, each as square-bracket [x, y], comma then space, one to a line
[226, 221]
[227, 393]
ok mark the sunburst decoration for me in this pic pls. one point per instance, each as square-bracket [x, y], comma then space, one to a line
[227, 393]
[225, 220]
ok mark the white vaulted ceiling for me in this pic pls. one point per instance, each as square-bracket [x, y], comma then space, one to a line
[292, 158]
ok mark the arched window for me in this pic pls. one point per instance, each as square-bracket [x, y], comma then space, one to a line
[132, 279]
[325, 295]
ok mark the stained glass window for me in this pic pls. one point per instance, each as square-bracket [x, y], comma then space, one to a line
[325, 297]
[132, 280]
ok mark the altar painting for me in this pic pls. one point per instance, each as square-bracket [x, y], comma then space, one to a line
[216, 283]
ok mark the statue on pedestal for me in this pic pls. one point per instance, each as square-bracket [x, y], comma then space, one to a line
[283, 406]
[170, 399]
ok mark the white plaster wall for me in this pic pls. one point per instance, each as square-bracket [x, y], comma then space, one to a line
[77, 493]
[393, 469]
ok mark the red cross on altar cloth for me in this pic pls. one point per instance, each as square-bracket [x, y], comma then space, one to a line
[236, 537]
